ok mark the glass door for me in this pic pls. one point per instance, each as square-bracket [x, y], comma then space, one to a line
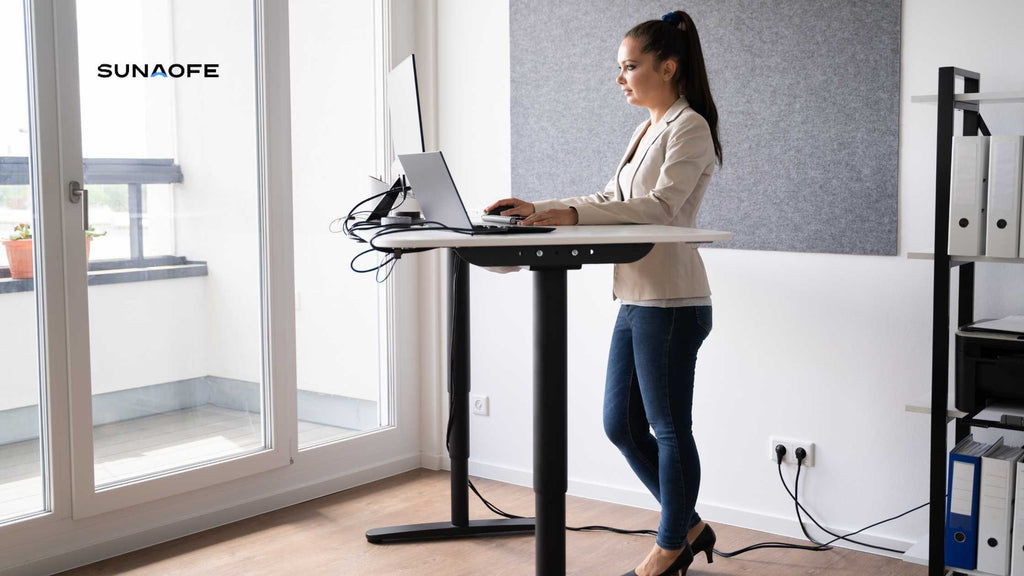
[342, 383]
[22, 452]
[151, 358]
[169, 249]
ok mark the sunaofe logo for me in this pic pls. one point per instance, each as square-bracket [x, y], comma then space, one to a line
[157, 71]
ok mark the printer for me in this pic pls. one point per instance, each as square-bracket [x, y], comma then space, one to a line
[989, 369]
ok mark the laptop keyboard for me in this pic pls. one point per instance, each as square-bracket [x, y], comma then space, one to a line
[482, 229]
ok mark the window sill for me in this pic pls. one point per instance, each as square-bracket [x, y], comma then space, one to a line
[119, 272]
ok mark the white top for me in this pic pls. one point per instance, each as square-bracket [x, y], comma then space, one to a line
[626, 177]
[670, 302]
[607, 234]
[628, 170]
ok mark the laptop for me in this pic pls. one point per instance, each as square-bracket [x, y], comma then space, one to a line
[439, 200]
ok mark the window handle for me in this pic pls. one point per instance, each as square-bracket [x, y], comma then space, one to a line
[77, 194]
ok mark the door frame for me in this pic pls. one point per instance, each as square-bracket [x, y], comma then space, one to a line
[54, 541]
[273, 143]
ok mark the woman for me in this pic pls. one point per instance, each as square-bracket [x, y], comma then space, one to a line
[666, 305]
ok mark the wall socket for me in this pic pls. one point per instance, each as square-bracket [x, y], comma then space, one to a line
[480, 405]
[791, 446]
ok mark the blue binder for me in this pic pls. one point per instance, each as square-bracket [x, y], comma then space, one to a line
[963, 488]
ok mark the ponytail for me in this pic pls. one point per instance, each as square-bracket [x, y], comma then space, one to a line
[675, 36]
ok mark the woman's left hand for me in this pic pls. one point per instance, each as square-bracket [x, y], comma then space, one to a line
[553, 217]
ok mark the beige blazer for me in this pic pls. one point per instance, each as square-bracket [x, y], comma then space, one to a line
[675, 167]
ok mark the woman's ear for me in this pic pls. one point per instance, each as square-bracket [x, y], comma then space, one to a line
[668, 69]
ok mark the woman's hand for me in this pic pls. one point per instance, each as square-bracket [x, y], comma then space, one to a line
[554, 217]
[512, 207]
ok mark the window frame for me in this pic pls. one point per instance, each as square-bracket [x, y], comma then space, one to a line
[131, 172]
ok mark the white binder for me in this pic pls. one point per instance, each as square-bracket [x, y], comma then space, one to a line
[967, 195]
[1017, 556]
[995, 510]
[1004, 175]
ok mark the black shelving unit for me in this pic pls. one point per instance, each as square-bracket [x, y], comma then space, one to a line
[944, 264]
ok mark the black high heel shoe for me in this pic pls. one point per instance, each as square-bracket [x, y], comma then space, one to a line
[678, 567]
[705, 542]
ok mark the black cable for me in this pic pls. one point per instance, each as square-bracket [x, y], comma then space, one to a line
[820, 546]
[400, 189]
[500, 512]
[799, 507]
[796, 503]
[349, 231]
[898, 516]
[389, 229]
[817, 547]
[352, 264]
[396, 253]
[392, 260]
[388, 263]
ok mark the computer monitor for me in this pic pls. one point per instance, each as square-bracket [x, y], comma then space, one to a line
[406, 125]
[404, 105]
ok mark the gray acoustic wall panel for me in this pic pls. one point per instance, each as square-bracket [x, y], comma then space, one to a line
[808, 99]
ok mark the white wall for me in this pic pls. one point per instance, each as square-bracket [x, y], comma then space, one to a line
[823, 348]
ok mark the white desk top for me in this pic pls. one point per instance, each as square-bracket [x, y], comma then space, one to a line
[618, 234]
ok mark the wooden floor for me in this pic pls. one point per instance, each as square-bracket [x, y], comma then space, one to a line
[326, 537]
[141, 446]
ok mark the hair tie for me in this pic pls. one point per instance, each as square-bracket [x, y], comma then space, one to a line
[674, 20]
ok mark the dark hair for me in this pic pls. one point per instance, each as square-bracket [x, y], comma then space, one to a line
[680, 40]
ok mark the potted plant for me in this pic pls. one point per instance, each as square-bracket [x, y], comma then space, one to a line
[91, 233]
[19, 249]
[19, 252]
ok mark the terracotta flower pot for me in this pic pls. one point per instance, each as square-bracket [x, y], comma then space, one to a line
[19, 256]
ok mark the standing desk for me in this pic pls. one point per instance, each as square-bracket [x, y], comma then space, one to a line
[549, 256]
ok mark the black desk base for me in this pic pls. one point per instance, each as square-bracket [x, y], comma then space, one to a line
[446, 530]
[550, 393]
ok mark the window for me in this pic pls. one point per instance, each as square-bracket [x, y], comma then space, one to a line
[130, 206]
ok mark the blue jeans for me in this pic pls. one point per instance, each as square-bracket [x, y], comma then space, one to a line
[650, 385]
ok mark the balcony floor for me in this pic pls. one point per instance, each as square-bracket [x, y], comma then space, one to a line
[141, 446]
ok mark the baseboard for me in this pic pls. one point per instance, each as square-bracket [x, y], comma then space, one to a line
[119, 546]
[712, 512]
[434, 462]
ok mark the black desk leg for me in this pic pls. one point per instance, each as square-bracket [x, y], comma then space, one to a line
[458, 387]
[550, 436]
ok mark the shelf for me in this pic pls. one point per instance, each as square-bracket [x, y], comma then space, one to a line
[924, 406]
[990, 335]
[969, 103]
[964, 259]
[979, 97]
[990, 417]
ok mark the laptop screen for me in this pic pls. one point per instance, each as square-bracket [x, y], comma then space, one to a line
[435, 190]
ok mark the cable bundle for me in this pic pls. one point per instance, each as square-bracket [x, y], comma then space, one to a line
[350, 229]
